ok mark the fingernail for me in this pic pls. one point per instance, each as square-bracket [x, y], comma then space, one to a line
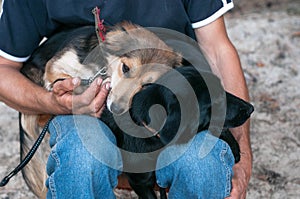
[75, 81]
[99, 81]
[107, 86]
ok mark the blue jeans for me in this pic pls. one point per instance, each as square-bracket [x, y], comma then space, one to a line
[84, 163]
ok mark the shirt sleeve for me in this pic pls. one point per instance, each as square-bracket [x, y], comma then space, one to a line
[19, 35]
[203, 12]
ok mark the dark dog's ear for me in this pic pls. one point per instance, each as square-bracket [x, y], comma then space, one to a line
[237, 112]
[155, 107]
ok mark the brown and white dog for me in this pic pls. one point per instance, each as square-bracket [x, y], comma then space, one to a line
[132, 55]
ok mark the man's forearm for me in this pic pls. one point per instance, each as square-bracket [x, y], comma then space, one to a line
[228, 67]
[225, 63]
[20, 93]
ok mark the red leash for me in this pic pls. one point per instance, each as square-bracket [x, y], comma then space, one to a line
[99, 26]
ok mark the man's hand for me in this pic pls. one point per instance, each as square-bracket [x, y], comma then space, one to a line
[240, 180]
[20, 93]
[91, 101]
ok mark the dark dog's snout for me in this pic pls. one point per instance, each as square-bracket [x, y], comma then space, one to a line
[116, 109]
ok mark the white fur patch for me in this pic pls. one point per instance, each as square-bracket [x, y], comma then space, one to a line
[69, 64]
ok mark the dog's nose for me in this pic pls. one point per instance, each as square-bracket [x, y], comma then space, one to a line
[116, 109]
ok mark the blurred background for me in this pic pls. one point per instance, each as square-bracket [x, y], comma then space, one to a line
[266, 34]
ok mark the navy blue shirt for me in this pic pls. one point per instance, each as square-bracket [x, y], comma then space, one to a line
[24, 23]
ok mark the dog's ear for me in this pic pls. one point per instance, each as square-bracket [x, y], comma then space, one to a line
[237, 112]
[172, 121]
[156, 108]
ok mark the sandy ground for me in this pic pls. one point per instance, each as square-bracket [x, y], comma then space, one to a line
[267, 37]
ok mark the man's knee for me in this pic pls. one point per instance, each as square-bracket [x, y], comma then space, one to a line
[196, 172]
[84, 138]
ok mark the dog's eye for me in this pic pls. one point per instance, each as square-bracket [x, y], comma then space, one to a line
[125, 68]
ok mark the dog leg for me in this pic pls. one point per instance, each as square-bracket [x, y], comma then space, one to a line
[142, 184]
[227, 136]
[163, 193]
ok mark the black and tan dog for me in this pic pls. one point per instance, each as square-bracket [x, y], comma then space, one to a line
[137, 63]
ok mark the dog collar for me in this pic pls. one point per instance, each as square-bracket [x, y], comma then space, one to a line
[152, 130]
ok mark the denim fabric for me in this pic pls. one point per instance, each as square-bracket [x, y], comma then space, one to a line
[84, 163]
[73, 171]
[194, 175]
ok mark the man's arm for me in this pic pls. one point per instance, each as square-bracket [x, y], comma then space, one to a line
[225, 63]
[23, 95]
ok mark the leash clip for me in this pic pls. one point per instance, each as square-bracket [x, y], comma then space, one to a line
[102, 72]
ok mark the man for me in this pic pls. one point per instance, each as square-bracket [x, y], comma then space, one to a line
[24, 23]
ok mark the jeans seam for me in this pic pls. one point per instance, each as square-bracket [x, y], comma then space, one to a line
[58, 130]
[52, 187]
[54, 155]
[227, 169]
